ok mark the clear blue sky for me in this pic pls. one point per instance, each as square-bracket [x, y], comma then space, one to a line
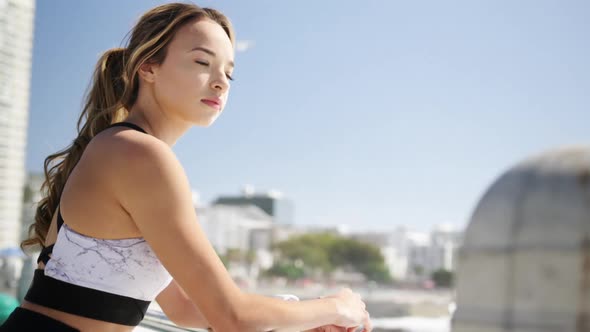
[368, 113]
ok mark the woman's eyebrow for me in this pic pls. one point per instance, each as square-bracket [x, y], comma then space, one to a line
[208, 51]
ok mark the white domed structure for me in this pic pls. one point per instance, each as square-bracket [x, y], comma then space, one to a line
[525, 261]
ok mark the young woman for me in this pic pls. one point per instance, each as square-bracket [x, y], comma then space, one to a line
[117, 225]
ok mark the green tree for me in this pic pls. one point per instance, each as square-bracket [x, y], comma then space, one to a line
[288, 270]
[443, 278]
[418, 270]
[324, 252]
[310, 249]
[377, 271]
[234, 255]
[363, 257]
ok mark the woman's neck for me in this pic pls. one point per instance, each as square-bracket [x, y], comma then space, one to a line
[157, 124]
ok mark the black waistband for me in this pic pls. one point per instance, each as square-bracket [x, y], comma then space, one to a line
[22, 319]
[86, 302]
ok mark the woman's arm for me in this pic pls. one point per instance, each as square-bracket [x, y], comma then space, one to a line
[270, 314]
[183, 312]
[152, 187]
[179, 308]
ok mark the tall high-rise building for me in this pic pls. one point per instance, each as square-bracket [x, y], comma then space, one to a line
[32, 196]
[16, 45]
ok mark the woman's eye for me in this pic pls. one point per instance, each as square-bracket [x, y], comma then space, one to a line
[229, 77]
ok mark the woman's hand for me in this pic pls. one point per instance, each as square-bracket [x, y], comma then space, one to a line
[352, 312]
[328, 328]
[334, 328]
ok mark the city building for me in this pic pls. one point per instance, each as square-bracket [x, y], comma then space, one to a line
[242, 228]
[414, 256]
[16, 44]
[272, 202]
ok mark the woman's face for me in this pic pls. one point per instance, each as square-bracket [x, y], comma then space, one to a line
[193, 81]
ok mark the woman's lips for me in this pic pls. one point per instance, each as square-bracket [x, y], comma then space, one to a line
[212, 103]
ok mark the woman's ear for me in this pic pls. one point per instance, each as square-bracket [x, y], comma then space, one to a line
[147, 72]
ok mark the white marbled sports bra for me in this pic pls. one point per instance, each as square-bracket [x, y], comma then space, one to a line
[125, 267]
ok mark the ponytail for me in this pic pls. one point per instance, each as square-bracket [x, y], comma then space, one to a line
[102, 108]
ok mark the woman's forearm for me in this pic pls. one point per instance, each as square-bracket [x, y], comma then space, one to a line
[261, 313]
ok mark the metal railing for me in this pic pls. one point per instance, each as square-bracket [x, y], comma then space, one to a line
[158, 322]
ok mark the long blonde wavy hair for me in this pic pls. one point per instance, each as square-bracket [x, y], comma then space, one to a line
[111, 95]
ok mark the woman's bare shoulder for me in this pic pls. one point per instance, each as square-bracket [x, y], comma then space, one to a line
[124, 156]
[128, 147]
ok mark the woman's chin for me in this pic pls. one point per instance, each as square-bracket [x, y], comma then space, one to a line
[205, 122]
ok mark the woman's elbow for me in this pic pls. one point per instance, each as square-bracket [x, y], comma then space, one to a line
[232, 323]
[234, 320]
[188, 321]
